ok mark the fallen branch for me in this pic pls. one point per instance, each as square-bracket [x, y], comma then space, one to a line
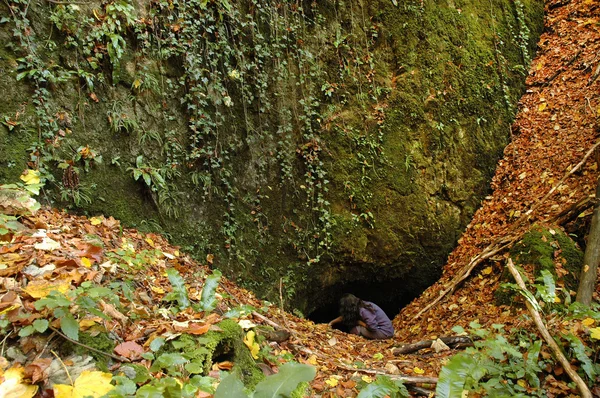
[504, 242]
[585, 392]
[464, 341]
[115, 357]
[403, 378]
[464, 273]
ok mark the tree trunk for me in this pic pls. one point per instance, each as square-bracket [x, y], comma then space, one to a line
[591, 258]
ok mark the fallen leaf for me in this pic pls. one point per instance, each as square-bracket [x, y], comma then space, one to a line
[89, 384]
[418, 371]
[96, 220]
[367, 379]
[47, 244]
[588, 322]
[35, 371]
[12, 387]
[30, 177]
[251, 344]
[40, 288]
[595, 333]
[331, 382]
[130, 349]
[439, 346]
[197, 328]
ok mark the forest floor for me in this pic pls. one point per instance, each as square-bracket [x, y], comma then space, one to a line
[558, 122]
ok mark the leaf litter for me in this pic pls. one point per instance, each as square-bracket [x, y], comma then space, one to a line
[557, 123]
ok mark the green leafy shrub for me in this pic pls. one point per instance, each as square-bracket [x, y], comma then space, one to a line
[281, 384]
[496, 366]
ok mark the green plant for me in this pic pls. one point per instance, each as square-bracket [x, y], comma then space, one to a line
[281, 384]
[383, 386]
[495, 365]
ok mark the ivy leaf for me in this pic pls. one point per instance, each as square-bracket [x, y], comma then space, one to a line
[70, 327]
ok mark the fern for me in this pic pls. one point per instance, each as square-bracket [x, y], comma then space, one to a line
[208, 300]
[179, 292]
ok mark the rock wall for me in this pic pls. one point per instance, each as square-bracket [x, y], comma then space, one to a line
[307, 147]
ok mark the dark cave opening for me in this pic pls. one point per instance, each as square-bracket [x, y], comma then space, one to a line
[391, 295]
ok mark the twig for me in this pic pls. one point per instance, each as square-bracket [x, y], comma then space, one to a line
[404, 379]
[268, 321]
[64, 366]
[558, 72]
[562, 180]
[585, 392]
[115, 357]
[464, 273]
[46, 345]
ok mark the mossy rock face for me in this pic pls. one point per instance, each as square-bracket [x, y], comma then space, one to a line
[321, 147]
[546, 248]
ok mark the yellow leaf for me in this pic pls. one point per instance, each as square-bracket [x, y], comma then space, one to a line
[251, 344]
[96, 220]
[86, 262]
[149, 241]
[588, 322]
[157, 290]
[86, 324]
[542, 106]
[418, 371]
[595, 333]
[312, 360]
[137, 83]
[40, 288]
[31, 177]
[539, 65]
[11, 387]
[522, 383]
[89, 384]
[331, 382]
[487, 271]
[367, 379]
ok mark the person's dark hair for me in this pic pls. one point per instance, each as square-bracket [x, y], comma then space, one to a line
[350, 310]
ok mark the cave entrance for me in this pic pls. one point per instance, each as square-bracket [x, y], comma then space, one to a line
[391, 295]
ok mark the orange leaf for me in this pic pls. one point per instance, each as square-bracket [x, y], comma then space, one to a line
[197, 329]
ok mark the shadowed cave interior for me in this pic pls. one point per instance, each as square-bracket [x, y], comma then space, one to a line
[391, 296]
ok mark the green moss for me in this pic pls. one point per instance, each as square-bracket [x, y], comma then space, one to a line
[225, 344]
[540, 248]
[100, 341]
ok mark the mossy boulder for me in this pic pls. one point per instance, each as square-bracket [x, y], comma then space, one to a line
[546, 247]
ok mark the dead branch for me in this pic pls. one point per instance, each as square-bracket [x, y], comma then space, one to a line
[463, 341]
[539, 323]
[464, 273]
[404, 379]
